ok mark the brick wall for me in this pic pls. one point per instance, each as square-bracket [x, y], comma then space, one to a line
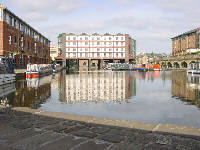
[6, 30]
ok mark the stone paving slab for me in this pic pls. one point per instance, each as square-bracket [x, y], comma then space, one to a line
[35, 142]
[65, 143]
[5, 147]
[28, 129]
[12, 138]
[92, 145]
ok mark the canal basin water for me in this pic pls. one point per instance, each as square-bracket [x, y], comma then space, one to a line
[170, 97]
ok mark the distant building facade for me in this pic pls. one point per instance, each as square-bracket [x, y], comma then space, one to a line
[112, 48]
[133, 48]
[53, 52]
[186, 43]
[21, 41]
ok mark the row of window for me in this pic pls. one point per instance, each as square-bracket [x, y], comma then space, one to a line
[190, 39]
[95, 55]
[25, 45]
[18, 24]
[184, 45]
[95, 38]
[98, 49]
[96, 43]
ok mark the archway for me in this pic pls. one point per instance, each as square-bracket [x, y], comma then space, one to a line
[192, 65]
[176, 65]
[169, 65]
[192, 62]
[163, 65]
[184, 65]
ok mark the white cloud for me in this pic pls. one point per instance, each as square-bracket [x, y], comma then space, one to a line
[151, 22]
[54, 6]
[34, 17]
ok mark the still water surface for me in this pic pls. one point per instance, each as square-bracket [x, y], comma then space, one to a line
[155, 97]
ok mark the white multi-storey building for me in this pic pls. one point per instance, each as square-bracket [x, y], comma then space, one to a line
[95, 46]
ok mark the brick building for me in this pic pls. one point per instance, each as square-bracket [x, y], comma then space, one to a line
[95, 47]
[20, 41]
[186, 43]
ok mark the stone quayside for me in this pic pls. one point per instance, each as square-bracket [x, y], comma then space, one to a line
[23, 128]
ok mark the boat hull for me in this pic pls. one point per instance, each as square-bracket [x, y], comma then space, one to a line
[193, 71]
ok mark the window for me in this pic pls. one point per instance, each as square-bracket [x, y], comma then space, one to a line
[110, 38]
[98, 49]
[110, 49]
[28, 45]
[116, 43]
[110, 43]
[122, 38]
[116, 54]
[105, 49]
[104, 43]
[98, 38]
[81, 49]
[98, 55]
[74, 49]
[116, 38]
[86, 43]
[10, 20]
[105, 38]
[68, 38]
[86, 49]
[10, 39]
[74, 38]
[74, 43]
[17, 24]
[81, 38]
[14, 22]
[86, 38]
[22, 27]
[1, 14]
[98, 43]
[68, 43]
[116, 49]
[15, 40]
[122, 43]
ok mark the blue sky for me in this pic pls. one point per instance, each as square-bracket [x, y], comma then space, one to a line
[151, 22]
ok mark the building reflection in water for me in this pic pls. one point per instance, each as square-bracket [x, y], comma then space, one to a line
[96, 87]
[26, 93]
[186, 87]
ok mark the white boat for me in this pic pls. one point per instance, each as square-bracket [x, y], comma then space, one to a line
[194, 68]
[38, 70]
[7, 74]
[157, 69]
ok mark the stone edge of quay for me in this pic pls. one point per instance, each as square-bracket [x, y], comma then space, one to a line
[169, 128]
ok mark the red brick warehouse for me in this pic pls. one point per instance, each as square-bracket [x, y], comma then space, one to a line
[20, 41]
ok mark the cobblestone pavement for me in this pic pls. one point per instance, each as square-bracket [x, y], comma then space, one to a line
[26, 131]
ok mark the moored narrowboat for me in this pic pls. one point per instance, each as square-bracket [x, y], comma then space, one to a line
[38, 70]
